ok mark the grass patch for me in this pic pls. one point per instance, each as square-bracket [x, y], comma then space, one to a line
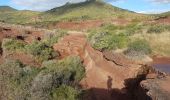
[140, 47]
[132, 29]
[13, 45]
[158, 28]
[106, 40]
[50, 40]
[65, 92]
[70, 69]
[41, 51]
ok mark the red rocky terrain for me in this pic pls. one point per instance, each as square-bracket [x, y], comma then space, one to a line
[108, 76]
[105, 79]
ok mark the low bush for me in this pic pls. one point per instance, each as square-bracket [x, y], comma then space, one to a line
[41, 51]
[158, 28]
[56, 80]
[52, 39]
[140, 47]
[65, 92]
[12, 45]
[110, 28]
[70, 69]
[106, 40]
[133, 29]
[15, 80]
[42, 86]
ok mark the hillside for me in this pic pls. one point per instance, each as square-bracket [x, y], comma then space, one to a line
[85, 15]
[165, 13]
[18, 17]
[6, 9]
[88, 10]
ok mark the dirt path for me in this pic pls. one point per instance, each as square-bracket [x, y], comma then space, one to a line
[101, 75]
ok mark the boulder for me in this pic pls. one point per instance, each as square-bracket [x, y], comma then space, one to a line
[157, 88]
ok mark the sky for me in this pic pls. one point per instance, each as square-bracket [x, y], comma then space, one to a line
[140, 6]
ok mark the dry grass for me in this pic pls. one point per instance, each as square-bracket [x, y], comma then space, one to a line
[160, 43]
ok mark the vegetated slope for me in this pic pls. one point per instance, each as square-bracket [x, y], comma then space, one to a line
[83, 11]
[88, 10]
[10, 15]
[6, 9]
[165, 14]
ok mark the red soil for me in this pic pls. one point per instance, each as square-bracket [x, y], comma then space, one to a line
[14, 32]
[79, 25]
[25, 35]
[161, 60]
[89, 24]
[164, 20]
[24, 58]
[120, 21]
[164, 84]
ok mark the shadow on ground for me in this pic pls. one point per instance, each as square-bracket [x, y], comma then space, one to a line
[133, 91]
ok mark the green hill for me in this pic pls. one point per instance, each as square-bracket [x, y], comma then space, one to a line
[18, 17]
[6, 9]
[87, 10]
[166, 13]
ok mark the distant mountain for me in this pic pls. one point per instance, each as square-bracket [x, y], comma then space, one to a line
[84, 6]
[6, 9]
[87, 10]
[166, 14]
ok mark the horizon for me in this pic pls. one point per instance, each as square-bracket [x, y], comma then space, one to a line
[146, 6]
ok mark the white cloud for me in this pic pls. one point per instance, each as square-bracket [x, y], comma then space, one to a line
[41, 5]
[118, 1]
[160, 1]
[153, 11]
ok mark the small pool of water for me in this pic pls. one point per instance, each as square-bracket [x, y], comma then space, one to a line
[162, 64]
[162, 67]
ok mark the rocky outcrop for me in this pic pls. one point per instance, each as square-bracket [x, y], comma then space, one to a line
[157, 87]
[119, 59]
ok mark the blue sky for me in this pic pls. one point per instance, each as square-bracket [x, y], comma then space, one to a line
[141, 6]
[144, 6]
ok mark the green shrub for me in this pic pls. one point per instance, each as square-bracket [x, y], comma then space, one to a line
[49, 81]
[158, 28]
[65, 92]
[139, 46]
[69, 69]
[51, 40]
[42, 86]
[103, 41]
[110, 28]
[132, 29]
[41, 51]
[56, 80]
[12, 45]
[15, 80]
